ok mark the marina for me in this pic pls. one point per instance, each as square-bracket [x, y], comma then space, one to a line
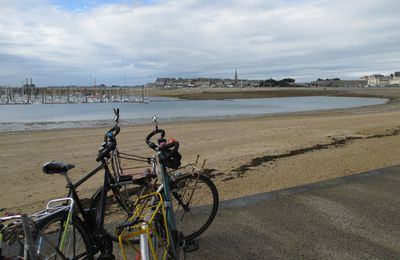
[66, 95]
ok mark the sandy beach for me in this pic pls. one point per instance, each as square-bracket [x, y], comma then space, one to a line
[246, 156]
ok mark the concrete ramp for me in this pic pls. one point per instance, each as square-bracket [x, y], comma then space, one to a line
[354, 217]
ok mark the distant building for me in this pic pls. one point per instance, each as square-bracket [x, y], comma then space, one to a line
[374, 79]
[381, 80]
[31, 85]
[395, 78]
[165, 82]
[180, 83]
[338, 83]
[202, 82]
[205, 82]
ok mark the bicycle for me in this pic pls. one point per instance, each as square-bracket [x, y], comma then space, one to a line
[194, 194]
[182, 187]
[23, 237]
[154, 231]
[123, 190]
[85, 224]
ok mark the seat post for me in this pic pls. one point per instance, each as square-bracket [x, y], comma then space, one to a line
[69, 182]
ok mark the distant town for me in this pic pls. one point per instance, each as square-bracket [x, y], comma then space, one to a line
[375, 80]
[28, 93]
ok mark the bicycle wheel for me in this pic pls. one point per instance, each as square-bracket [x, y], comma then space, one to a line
[12, 241]
[75, 245]
[119, 205]
[195, 201]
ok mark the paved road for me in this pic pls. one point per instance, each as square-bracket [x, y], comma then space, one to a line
[354, 217]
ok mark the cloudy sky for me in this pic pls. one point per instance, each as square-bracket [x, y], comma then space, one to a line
[63, 42]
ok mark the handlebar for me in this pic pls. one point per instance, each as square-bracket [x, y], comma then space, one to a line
[105, 150]
[112, 133]
[163, 147]
[167, 151]
[110, 141]
[149, 136]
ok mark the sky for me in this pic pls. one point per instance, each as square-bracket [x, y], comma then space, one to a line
[61, 42]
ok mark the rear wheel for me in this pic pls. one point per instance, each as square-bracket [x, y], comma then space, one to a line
[75, 244]
[195, 202]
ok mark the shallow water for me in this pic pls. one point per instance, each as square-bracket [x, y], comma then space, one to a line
[56, 116]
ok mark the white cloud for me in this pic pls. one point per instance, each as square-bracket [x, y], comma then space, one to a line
[304, 39]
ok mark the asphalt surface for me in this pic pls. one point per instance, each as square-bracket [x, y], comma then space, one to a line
[354, 217]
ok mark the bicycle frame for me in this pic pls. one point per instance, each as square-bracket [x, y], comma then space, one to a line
[171, 221]
[144, 228]
[96, 229]
[167, 197]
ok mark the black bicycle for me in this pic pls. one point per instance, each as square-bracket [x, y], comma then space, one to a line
[79, 232]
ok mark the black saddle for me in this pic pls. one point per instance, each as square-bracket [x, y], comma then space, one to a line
[57, 167]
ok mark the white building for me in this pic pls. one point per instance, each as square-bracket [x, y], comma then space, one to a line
[381, 80]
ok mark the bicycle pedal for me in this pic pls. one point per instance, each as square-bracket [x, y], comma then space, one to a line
[191, 246]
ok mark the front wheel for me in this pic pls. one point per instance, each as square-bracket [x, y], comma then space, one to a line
[195, 202]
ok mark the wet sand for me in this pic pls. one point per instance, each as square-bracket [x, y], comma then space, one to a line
[245, 156]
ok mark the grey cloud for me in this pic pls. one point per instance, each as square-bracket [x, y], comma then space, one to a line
[306, 39]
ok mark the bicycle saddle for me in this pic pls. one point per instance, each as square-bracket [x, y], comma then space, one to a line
[56, 167]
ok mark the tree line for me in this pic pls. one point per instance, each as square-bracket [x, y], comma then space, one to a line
[276, 83]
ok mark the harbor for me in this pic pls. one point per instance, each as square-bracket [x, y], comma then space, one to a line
[29, 94]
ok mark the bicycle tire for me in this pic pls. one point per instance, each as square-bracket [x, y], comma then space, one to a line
[118, 207]
[199, 215]
[77, 244]
[12, 241]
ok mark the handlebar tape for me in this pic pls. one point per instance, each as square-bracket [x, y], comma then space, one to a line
[115, 131]
[149, 136]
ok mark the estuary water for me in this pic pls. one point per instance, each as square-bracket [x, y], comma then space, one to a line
[59, 116]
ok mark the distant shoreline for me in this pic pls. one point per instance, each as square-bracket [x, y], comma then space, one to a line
[241, 93]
